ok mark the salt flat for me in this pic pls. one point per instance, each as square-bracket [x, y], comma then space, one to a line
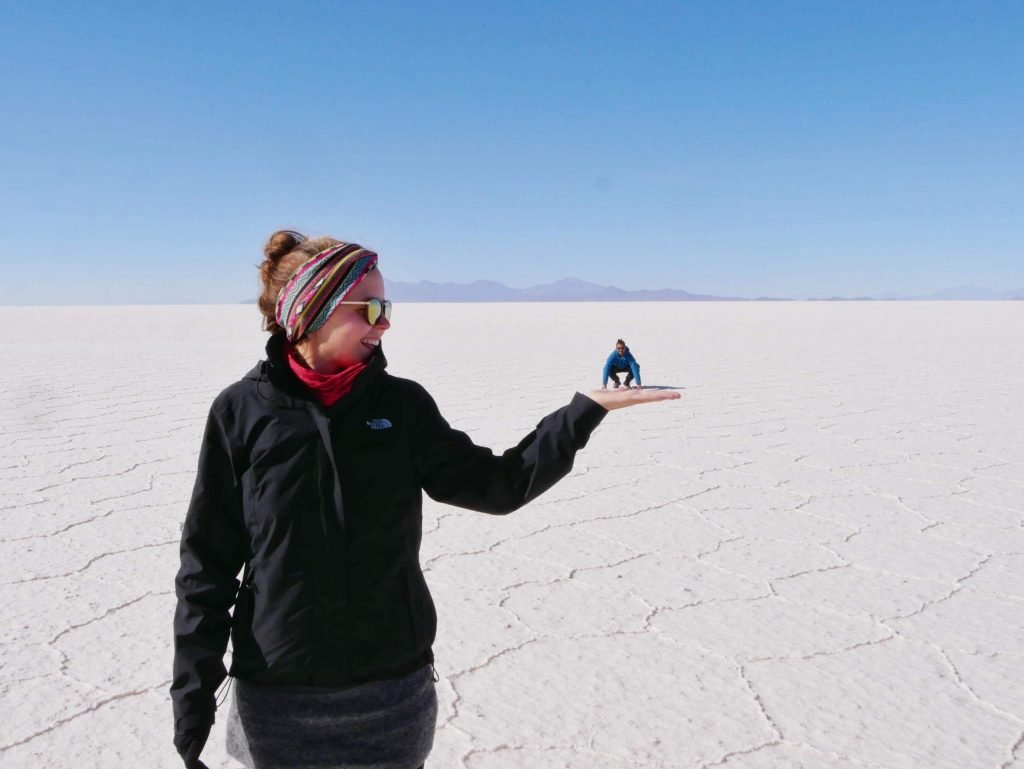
[814, 559]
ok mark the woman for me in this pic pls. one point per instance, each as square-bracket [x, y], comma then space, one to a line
[309, 482]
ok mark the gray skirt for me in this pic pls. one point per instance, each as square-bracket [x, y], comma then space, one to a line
[378, 725]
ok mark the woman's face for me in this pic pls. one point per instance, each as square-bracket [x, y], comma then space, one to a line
[347, 338]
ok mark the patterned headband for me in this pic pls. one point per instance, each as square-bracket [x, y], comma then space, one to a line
[314, 291]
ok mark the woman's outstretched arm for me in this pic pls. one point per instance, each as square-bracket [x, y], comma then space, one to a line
[454, 470]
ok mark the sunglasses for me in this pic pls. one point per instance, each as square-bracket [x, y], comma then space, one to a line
[375, 308]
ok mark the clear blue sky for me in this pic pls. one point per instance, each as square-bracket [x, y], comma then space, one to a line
[742, 148]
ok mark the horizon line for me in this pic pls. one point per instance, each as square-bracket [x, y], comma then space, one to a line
[713, 300]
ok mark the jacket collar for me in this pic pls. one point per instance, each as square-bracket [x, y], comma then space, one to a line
[274, 370]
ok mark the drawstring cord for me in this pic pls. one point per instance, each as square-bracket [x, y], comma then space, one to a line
[220, 700]
[248, 583]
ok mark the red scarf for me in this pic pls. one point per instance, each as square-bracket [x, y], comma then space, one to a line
[326, 388]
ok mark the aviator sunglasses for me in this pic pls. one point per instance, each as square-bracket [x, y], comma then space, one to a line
[375, 308]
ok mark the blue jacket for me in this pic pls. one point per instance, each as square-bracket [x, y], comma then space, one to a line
[624, 362]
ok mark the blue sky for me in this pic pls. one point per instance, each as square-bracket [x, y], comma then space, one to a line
[741, 148]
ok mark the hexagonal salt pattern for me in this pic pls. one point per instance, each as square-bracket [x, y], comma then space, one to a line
[815, 559]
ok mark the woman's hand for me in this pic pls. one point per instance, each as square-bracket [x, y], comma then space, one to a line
[623, 397]
[190, 744]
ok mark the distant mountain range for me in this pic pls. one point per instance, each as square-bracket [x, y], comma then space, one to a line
[575, 290]
[962, 293]
[567, 290]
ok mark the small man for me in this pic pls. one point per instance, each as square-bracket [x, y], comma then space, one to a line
[621, 361]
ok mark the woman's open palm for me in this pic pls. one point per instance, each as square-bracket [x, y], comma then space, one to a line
[622, 398]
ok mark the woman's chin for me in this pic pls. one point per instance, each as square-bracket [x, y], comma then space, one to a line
[362, 355]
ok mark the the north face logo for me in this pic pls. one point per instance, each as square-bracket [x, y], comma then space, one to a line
[379, 424]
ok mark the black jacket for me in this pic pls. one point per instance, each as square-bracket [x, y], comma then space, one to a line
[323, 507]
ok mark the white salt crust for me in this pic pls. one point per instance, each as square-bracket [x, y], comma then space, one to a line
[814, 559]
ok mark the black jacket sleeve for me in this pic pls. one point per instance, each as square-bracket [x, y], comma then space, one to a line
[453, 470]
[213, 549]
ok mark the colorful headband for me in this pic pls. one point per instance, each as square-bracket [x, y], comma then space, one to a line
[309, 297]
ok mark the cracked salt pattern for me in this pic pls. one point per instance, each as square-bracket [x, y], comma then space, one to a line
[815, 559]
